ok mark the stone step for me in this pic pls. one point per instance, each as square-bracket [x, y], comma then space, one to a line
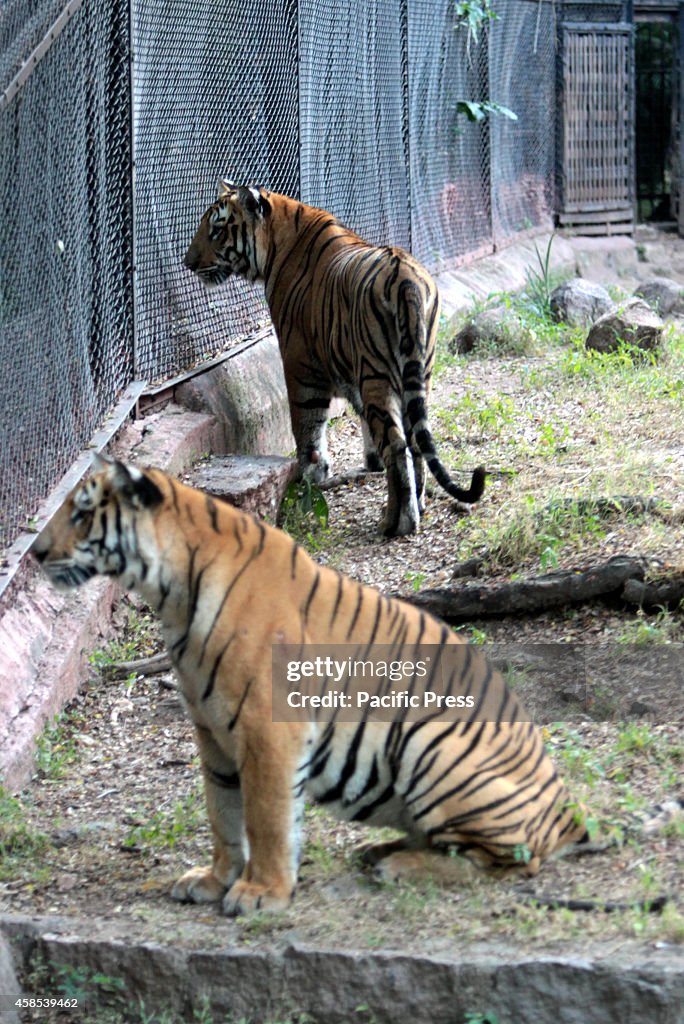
[254, 483]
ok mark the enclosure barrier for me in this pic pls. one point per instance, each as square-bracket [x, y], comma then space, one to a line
[117, 118]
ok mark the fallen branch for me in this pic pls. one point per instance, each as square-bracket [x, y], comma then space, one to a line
[666, 594]
[653, 906]
[152, 666]
[556, 589]
[353, 476]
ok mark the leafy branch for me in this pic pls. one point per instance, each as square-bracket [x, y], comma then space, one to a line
[474, 14]
[477, 111]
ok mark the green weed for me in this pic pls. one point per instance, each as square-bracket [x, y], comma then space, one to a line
[662, 628]
[20, 843]
[304, 513]
[166, 828]
[56, 748]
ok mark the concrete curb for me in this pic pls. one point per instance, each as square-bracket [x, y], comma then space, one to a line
[391, 987]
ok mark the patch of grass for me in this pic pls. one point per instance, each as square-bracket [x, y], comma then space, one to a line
[264, 922]
[540, 533]
[415, 580]
[167, 827]
[488, 415]
[21, 845]
[579, 762]
[304, 514]
[636, 737]
[56, 747]
[664, 627]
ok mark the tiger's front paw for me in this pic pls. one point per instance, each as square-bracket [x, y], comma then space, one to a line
[199, 885]
[248, 898]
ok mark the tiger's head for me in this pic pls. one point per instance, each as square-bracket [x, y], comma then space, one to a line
[96, 531]
[228, 240]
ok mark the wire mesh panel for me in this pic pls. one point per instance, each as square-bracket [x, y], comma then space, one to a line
[449, 155]
[353, 129]
[523, 152]
[215, 95]
[23, 25]
[65, 309]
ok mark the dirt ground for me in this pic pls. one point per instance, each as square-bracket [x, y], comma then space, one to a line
[115, 812]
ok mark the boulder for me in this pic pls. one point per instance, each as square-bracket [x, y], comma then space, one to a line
[579, 302]
[634, 322]
[498, 329]
[663, 295]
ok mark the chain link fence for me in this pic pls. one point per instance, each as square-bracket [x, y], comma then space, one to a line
[65, 243]
[117, 117]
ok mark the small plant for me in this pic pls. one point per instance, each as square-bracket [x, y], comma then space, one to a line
[415, 580]
[19, 843]
[522, 853]
[477, 111]
[166, 829]
[540, 284]
[474, 15]
[635, 738]
[663, 628]
[476, 636]
[304, 512]
[481, 1018]
[56, 748]
[75, 982]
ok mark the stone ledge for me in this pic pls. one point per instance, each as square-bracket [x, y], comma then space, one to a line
[254, 483]
[576, 987]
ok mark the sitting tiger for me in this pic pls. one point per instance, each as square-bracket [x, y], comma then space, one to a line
[353, 320]
[227, 588]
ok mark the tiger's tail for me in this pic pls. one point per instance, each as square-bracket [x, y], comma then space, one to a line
[416, 413]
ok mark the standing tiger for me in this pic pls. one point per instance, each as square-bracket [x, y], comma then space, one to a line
[354, 320]
[227, 588]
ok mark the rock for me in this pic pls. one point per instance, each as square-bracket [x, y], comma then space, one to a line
[663, 295]
[579, 302]
[634, 322]
[498, 328]
[255, 483]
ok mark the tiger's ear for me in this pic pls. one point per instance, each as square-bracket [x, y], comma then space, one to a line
[253, 200]
[132, 486]
[226, 188]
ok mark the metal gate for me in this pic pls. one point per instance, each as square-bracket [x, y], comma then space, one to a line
[597, 140]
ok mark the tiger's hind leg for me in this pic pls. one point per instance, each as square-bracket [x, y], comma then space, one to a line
[372, 458]
[309, 405]
[402, 515]
[419, 473]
